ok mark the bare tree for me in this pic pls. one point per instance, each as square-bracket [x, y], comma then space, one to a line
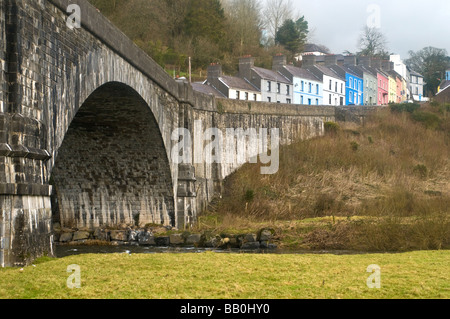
[372, 42]
[275, 13]
[244, 18]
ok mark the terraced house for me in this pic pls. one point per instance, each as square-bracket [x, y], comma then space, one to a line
[333, 84]
[274, 86]
[308, 88]
[231, 87]
[370, 81]
[353, 82]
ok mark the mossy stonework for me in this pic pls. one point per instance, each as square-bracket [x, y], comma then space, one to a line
[86, 123]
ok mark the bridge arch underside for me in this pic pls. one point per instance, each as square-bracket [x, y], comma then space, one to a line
[112, 167]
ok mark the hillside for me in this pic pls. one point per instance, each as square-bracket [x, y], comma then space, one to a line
[384, 186]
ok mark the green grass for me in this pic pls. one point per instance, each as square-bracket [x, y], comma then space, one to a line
[412, 275]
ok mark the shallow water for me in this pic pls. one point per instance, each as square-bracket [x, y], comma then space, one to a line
[66, 250]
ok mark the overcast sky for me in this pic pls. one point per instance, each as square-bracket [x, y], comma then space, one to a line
[407, 24]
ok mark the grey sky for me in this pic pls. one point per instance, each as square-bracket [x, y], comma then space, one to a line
[407, 24]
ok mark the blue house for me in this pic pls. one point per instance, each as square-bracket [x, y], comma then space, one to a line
[354, 84]
[307, 87]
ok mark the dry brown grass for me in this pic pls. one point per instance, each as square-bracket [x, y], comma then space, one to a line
[393, 167]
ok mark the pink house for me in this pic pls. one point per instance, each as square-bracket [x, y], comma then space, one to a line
[383, 88]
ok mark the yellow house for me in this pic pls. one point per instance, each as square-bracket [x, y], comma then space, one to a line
[404, 90]
[392, 89]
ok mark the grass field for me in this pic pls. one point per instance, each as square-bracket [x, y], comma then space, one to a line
[412, 275]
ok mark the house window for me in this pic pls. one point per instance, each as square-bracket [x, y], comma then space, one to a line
[303, 86]
[269, 86]
[301, 99]
[310, 87]
[351, 83]
[288, 90]
[342, 88]
[269, 99]
[255, 98]
[356, 84]
[288, 101]
[278, 88]
[330, 99]
[336, 87]
[331, 86]
[317, 101]
[238, 95]
[350, 98]
[309, 101]
[246, 96]
[317, 89]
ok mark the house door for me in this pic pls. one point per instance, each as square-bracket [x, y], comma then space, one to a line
[342, 101]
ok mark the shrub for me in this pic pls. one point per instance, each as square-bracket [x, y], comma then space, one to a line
[249, 195]
[354, 146]
[430, 120]
[332, 128]
[406, 107]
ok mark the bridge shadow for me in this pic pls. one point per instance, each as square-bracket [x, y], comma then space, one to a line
[112, 167]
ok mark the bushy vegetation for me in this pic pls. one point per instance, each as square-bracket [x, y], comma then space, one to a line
[208, 31]
[385, 186]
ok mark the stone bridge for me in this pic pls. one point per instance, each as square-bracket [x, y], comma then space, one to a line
[86, 122]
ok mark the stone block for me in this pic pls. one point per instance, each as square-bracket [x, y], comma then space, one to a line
[162, 241]
[118, 235]
[65, 237]
[265, 235]
[101, 234]
[176, 239]
[146, 238]
[193, 239]
[80, 235]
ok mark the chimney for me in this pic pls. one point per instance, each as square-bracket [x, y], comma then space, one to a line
[387, 66]
[365, 61]
[279, 61]
[350, 60]
[376, 63]
[214, 71]
[308, 60]
[330, 60]
[246, 64]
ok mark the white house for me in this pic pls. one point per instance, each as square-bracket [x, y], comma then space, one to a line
[333, 84]
[230, 86]
[416, 84]
[312, 49]
[307, 87]
[274, 87]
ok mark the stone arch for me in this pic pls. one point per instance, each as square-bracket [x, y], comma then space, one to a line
[112, 167]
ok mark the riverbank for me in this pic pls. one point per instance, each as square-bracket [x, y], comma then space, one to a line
[208, 275]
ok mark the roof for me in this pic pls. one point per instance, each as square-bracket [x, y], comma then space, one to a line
[270, 75]
[237, 83]
[412, 72]
[301, 73]
[359, 71]
[342, 70]
[444, 85]
[320, 71]
[395, 73]
[311, 47]
[370, 70]
[206, 89]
